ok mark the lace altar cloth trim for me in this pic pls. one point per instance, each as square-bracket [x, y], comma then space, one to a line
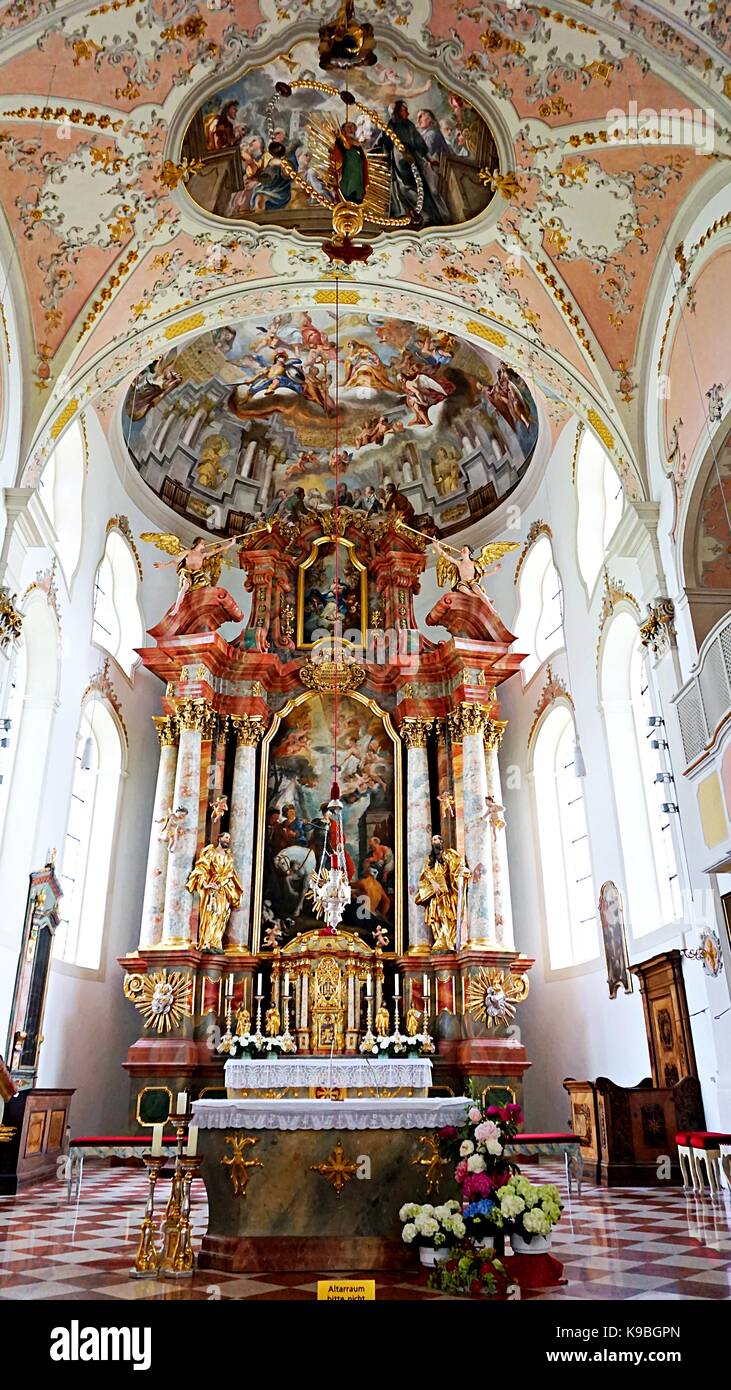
[417, 1112]
[320, 1071]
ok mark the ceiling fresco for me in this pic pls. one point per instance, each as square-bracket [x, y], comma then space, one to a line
[441, 135]
[241, 423]
[111, 249]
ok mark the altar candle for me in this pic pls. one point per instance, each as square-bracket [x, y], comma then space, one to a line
[396, 986]
[156, 1149]
[182, 1103]
[258, 984]
[454, 1002]
[192, 1145]
[286, 984]
[426, 983]
[369, 987]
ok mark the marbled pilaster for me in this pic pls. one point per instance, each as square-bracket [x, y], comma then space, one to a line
[500, 871]
[469, 724]
[248, 731]
[153, 904]
[418, 825]
[194, 719]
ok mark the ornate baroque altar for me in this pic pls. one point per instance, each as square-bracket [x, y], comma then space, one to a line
[245, 736]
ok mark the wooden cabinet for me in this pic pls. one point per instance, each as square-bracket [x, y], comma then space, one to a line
[667, 1021]
[32, 1135]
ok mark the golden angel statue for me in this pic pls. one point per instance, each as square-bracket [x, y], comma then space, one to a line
[383, 1022]
[441, 891]
[243, 1021]
[215, 879]
[464, 571]
[198, 565]
[412, 1023]
[273, 1022]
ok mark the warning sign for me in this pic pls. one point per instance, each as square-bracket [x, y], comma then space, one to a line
[346, 1290]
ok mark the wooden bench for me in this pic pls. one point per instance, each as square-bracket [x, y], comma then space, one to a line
[124, 1147]
[567, 1143]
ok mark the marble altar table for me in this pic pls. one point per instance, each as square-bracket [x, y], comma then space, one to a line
[310, 1077]
[317, 1184]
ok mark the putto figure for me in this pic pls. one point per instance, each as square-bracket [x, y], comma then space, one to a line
[215, 879]
[441, 891]
[172, 826]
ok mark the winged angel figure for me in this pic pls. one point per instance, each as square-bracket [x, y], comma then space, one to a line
[463, 571]
[198, 565]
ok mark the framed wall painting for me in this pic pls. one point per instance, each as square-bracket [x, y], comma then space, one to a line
[611, 918]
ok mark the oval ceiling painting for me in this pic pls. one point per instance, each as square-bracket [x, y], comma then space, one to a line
[405, 149]
[242, 422]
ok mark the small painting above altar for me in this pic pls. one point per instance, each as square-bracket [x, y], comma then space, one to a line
[298, 768]
[331, 593]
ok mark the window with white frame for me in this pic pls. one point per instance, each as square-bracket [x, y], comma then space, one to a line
[61, 489]
[87, 848]
[645, 830]
[601, 502]
[568, 884]
[539, 623]
[10, 728]
[118, 626]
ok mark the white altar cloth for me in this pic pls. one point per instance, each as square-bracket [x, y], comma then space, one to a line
[247, 1073]
[403, 1112]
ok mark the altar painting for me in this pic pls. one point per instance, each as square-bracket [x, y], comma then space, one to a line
[332, 594]
[297, 775]
[237, 177]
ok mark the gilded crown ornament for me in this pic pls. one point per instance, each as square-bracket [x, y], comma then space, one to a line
[330, 676]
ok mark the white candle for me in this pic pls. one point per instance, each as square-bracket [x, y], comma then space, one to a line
[258, 984]
[182, 1103]
[192, 1145]
[156, 1149]
[454, 1003]
[427, 985]
[396, 986]
[369, 987]
[286, 984]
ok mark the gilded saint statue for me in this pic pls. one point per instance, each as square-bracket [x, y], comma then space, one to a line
[412, 1023]
[214, 877]
[243, 1021]
[273, 1022]
[383, 1022]
[440, 891]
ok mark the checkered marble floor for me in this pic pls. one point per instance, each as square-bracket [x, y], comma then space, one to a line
[630, 1243]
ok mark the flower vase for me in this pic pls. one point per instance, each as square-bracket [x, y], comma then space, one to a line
[537, 1245]
[495, 1242]
[430, 1257]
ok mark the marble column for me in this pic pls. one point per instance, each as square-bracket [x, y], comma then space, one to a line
[500, 872]
[194, 719]
[468, 724]
[418, 826]
[446, 788]
[157, 859]
[242, 823]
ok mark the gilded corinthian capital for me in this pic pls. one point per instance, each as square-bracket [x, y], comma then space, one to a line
[166, 728]
[248, 728]
[414, 731]
[198, 715]
[494, 731]
[468, 719]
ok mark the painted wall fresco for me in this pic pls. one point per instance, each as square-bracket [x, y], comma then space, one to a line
[713, 552]
[241, 422]
[300, 774]
[238, 177]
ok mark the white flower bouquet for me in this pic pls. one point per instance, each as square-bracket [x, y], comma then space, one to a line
[430, 1226]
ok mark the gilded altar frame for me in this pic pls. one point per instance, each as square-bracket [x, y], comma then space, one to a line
[278, 717]
[307, 564]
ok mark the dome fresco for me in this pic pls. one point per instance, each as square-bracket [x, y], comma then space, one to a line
[241, 422]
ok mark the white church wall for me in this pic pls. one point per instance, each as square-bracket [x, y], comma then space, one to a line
[88, 1024]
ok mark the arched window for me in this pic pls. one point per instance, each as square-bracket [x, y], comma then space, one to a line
[568, 885]
[35, 703]
[601, 502]
[646, 832]
[87, 849]
[61, 488]
[539, 624]
[118, 626]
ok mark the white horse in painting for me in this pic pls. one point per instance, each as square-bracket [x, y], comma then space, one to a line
[296, 864]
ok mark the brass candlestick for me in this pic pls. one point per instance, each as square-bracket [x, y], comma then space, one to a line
[180, 1261]
[369, 1041]
[147, 1257]
[288, 1042]
[258, 1036]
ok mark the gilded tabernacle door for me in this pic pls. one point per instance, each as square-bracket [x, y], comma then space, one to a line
[294, 790]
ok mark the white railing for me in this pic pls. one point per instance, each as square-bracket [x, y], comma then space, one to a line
[705, 698]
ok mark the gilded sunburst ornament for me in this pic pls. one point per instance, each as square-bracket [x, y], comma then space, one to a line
[492, 995]
[161, 998]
